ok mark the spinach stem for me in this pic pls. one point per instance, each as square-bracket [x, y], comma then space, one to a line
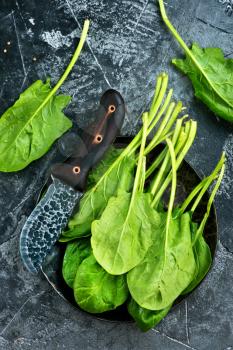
[141, 155]
[135, 143]
[158, 97]
[143, 175]
[160, 91]
[173, 190]
[209, 204]
[191, 196]
[164, 168]
[69, 67]
[188, 144]
[208, 182]
[160, 130]
[162, 154]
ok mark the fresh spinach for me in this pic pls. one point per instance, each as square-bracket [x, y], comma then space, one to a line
[209, 71]
[97, 291]
[35, 121]
[123, 234]
[140, 245]
[146, 319]
[167, 268]
[95, 200]
[75, 253]
[99, 170]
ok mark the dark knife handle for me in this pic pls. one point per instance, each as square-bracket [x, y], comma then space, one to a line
[97, 138]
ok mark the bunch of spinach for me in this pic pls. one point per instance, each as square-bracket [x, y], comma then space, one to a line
[35, 121]
[139, 251]
[209, 71]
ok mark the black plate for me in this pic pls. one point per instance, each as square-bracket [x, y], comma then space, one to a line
[187, 179]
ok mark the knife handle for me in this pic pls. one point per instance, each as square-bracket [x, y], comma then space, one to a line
[97, 138]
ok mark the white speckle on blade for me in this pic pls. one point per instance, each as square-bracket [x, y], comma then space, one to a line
[32, 21]
[56, 39]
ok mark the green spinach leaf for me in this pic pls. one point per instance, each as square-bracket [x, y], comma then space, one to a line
[203, 260]
[99, 170]
[97, 291]
[75, 253]
[35, 121]
[167, 269]
[146, 319]
[123, 234]
[209, 71]
[95, 200]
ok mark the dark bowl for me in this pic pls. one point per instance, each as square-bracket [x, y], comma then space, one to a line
[187, 179]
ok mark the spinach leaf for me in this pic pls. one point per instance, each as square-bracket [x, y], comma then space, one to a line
[203, 260]
[35, 121]
[75, 253]
[98, 171]
[167, 269]
[97, 291]
[95, 200]
[209, 71]
[123, 234]
[144, 318]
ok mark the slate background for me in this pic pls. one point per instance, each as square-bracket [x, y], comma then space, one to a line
[127, 47]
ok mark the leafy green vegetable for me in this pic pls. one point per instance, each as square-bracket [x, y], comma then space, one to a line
[157, 249]
[75, 253]
[203, 260]
[95, 200]
[123, 234]
[146, 319]
[209, 71]
[35, 121]
[200, 247]
[167, 269]
[95, 174]
[97, 291]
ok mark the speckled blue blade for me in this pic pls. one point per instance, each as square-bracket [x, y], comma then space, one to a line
[45, 224]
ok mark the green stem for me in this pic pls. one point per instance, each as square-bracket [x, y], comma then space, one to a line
[156, 163]
[174, 117]
[162, 154]
[71, 64]
[160, 129]
[159, 97]
[164, 168]
[135, 143]
[141, 154]
[74, 58]
[208, 183]
[193, 194]
[209, 204]
[156, 93]
[173, 189]
[188, 144]
[143, 175]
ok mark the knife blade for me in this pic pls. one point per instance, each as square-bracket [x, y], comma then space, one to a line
[48, 219]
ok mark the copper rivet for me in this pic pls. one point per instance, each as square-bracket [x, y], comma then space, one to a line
[111, 108]
[76, 170]
[98, 138]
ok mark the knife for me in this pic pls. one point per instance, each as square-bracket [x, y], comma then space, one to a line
[48, 219]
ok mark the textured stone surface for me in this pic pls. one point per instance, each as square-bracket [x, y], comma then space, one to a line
[127, 47]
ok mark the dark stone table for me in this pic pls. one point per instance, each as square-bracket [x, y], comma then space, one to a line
[127, 47]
